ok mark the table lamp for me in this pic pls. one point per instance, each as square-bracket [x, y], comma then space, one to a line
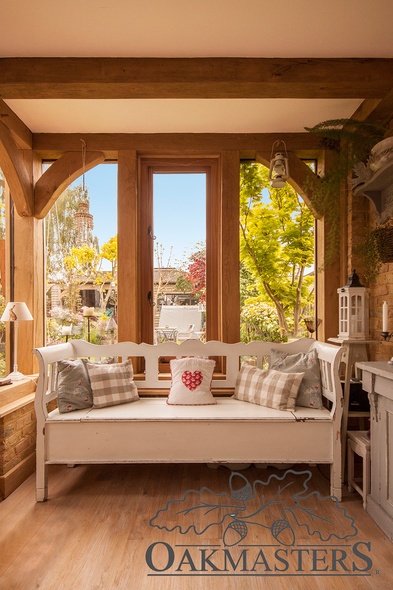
[16, 312]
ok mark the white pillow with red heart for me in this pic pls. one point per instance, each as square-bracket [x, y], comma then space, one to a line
[191, 382]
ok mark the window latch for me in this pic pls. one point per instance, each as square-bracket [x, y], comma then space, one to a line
[150, 299]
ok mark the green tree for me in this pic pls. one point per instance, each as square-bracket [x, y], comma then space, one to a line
[70, 265]
[277, 244]
[195, 271]
[60, 233]
[106, 280]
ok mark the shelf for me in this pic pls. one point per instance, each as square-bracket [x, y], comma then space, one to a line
[374, 189]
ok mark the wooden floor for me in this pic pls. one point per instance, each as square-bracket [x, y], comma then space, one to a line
[100, 530]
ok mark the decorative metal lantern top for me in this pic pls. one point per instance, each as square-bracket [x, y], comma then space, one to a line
[353, 309]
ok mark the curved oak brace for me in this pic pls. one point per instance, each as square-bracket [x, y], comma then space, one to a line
[59, 176]
[17, 174]
[301, 177]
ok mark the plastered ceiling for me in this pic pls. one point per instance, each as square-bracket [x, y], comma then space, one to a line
[204, 28]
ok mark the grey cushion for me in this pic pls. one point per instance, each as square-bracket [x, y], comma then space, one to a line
[73, 385]
[310, 392]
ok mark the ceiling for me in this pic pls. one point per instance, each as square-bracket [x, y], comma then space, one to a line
[174, 28]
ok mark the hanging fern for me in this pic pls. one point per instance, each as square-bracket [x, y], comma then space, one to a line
[348, 137]
[352, 141]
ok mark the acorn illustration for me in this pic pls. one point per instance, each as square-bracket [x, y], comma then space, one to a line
[243, 493]
[283, 532]
[235, 532]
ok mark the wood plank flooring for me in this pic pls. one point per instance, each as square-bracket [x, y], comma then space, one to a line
[95, 533]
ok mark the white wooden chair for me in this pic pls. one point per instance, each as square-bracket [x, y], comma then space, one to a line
[189, 334]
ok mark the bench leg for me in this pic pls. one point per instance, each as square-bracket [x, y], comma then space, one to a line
[335, 481]
[42, 483]
[351, 466]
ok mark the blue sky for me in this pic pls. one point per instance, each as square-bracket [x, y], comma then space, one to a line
[179, 208]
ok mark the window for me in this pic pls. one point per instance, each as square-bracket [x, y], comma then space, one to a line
[81, 246]
[276, 258]
[179, 280]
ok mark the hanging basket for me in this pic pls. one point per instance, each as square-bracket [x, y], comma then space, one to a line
[384, 243]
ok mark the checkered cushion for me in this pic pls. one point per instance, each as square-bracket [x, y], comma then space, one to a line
[270, 388]
[112, 384]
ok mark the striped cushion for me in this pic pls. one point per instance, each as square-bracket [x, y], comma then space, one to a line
[270, 388]
[112, 384]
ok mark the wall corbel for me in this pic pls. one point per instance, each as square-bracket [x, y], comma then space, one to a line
[59, 176]
[18, 172]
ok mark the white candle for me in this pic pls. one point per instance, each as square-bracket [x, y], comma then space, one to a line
[88, 311]
[385, 316]
[66, 330]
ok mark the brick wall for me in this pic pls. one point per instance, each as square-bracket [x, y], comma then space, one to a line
[17, 437]
[361, 217]
[17, 434]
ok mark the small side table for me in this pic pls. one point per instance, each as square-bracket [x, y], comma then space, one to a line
[359, 444]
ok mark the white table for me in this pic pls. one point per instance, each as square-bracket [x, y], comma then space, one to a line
[164, 333]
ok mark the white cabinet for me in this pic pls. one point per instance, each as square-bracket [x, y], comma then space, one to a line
[378, 382]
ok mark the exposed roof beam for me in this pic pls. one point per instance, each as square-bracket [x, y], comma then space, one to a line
[52, 145]
[194, 78]
[377, 112]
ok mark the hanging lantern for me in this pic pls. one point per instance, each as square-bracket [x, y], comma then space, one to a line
[279, 169]
[353, 309]
[83, 224]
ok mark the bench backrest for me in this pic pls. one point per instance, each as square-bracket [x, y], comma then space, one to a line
[148, 360]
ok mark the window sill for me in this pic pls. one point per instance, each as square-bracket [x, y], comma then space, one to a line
[17, 394]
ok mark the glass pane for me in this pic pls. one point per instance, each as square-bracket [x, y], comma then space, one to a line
[81, 247]
[179, 210]
[276, 260]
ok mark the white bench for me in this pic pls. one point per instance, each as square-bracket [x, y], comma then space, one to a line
[150, 430]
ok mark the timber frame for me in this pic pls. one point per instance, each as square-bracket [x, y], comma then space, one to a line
[34, 192]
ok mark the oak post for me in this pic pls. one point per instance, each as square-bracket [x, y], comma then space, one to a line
[127, 227]
[230, 248]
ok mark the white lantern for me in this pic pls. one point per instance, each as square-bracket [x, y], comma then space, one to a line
[353, 310]
[279, 169]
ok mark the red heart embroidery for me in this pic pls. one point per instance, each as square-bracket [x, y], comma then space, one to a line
[192, 380]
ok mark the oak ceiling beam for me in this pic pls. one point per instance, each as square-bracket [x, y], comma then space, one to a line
[377, 112]
[59, 176]
[100, 78]
[20, 132]
[19, 177]
[52, 145]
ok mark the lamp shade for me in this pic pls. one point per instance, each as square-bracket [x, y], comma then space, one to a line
[16, 311]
